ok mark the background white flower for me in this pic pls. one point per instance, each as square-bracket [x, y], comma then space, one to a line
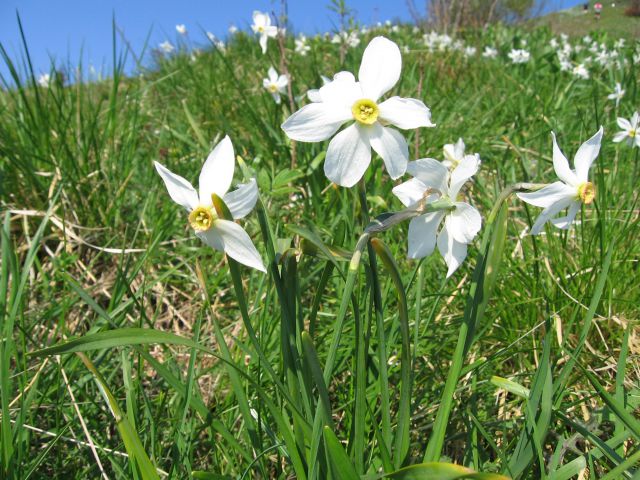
[573, 189]
[181, 29]
[262, 26]
[630, 130]
[215, 177]
[275, 84]
[344, 99]
[519, 55]
[490, 52]
[432, 180]
[617, 94]
[44, 80]
[166, 46]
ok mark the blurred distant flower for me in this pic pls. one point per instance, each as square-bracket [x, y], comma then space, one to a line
[630, 130]
[181, 29]
[617, 94]
[580, 71]
[301, 45]
[519, 55]
[490, 52]
[344, 99]
[233, 29]
[350, 39]
[433, 181]
[573, 189]
[470, 51]
[216, 176]
[275, 84]
[262, 26]
[166, 46]
[44, 80]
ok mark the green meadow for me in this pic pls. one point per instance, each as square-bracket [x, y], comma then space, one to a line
[130, 349]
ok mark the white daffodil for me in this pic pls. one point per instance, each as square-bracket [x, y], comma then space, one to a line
[580, 71]
[233, 29]
[617, 94]
[166, 46]
[262, 26]
[432, 181]
[630, 130]
[301, 46]
[519, 55]
[215, 177]
[573, 189]
[275, 84]
[344, 99]
[181, 29]
[44, 80]
[490, 52]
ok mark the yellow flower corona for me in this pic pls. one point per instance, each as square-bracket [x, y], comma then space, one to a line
[201, 219]
[587, 192]
[365, 111]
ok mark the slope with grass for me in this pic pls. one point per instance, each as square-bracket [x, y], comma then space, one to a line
[578, 22]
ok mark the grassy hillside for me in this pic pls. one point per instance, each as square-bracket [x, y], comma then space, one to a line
[347, 359]
[576, 22]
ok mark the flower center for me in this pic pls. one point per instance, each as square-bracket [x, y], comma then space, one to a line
[365, 111]
[201, 219]
[587, 192]
[633, 132]
[272, 88]
[261, 29]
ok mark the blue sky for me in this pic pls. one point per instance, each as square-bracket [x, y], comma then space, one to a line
[69, 29]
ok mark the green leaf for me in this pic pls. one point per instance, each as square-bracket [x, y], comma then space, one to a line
[342, 467]
[440, 471]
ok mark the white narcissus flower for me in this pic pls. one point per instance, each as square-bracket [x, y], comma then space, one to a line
[617, 94]
[44, 80]
[301, 46]
[519, 55]
[262, 26]
[580, 71]
[166, 47]
[181, 29]
[432, 180]
[215, 177]
[344, 99]
[630, 130]
[490, 52]
[453, 153]
[573, 189]
[275, 84]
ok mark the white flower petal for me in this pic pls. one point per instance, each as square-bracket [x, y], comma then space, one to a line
[586, 154]
[561, 165]
[238, 244]
[314, 95]
[261, 19]
[342, 91]
[211, 238]
[217, 171]
[315, 122]
[422, 234]
[263, 42]
[466, 169]
[405, 113]
[464, 222]
[565, 222]
[380, 67]
[348, 156]
[453, 252]
[623, 123]
[430, 172]
[273, 75]
[276, 97]
[620, 136]
[410, 192]
[391, 146]
[242, 200]
[282, 81]
[548, 195]
[548, 213]
[180, 190]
